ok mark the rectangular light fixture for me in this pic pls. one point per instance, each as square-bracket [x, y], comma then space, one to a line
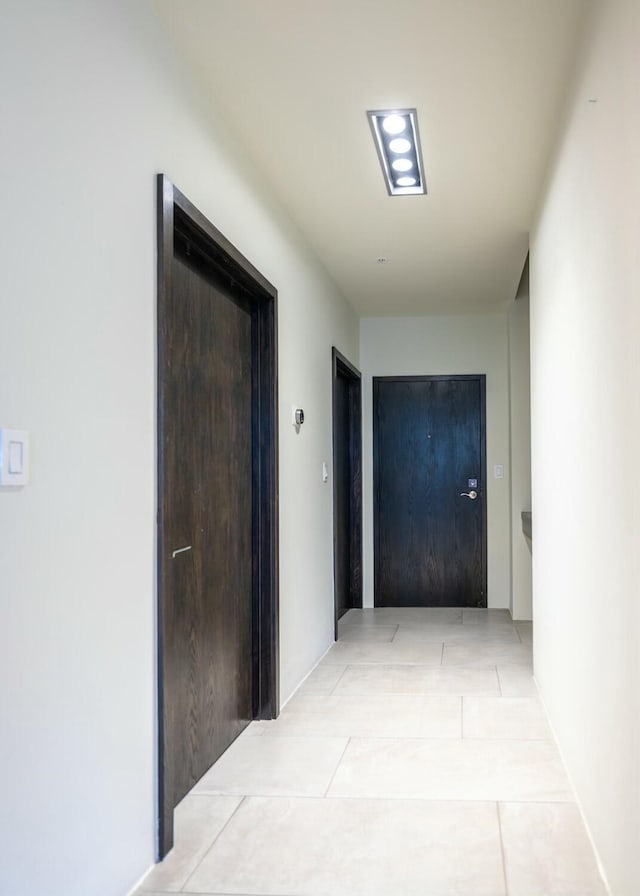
[395, 132]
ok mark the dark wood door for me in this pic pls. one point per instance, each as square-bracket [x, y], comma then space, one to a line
[429, 450]
[217, 504]
[347, 485]
[208, 520]
[342, 503]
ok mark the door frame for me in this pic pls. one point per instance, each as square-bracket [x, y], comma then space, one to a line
[481, 379]
[341, 367]
[177, 218]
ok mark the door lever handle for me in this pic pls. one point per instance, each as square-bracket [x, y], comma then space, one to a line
[473, 495]
[180, 551]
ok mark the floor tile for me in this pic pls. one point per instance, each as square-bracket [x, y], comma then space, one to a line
[521, 718]
[390, 679]
[356, 848]
[198, 820]
[322, 680]
[458, 633]
[275, 766]
[405, 615]
[369, 783]
[368, 716]
[477, 616]
[350, 653]
[451, 770]
[516, 681]
[486, 653]
[364, 618]
[547, 851]
[351, 632]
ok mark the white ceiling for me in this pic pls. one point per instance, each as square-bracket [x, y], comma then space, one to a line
[294, 78]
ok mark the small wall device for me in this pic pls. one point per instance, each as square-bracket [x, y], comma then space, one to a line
[297, 417]
[14, 457]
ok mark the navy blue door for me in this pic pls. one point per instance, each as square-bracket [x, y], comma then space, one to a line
[429, 491]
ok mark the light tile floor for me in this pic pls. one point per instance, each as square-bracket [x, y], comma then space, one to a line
[415, 760]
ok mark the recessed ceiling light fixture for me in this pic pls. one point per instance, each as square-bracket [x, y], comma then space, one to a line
[395, 132]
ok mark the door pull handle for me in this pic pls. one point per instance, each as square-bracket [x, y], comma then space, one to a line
[473, 495]
[181, 550]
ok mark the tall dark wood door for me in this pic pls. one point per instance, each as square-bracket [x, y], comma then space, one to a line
[347, 485]
[217, 514]
[208, 522]
[429, 507]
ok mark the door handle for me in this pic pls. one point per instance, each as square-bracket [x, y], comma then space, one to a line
[473, 495]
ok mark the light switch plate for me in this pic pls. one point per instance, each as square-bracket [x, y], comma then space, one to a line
[498, 471]
[14, 457]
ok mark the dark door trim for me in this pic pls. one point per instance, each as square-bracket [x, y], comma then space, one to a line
[341, 367]
[481, 379]
[179, 222]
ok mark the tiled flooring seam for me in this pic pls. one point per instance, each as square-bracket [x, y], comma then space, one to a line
[335, 771]
[213, 842]
[504, 861]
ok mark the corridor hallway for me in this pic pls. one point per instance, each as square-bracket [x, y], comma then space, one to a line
[415, 760]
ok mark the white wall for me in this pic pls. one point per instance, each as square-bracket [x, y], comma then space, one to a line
[440, 345]
[520, 430]
[585, 328]
[94, 104]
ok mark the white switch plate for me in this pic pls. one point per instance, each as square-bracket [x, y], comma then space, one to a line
[498, 471]
[325, 473]
[14, 457]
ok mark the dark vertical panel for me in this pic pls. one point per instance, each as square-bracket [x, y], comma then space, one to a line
[429, 540]
[342, 504]
[347, 485]
[266, 684]
[355, 510]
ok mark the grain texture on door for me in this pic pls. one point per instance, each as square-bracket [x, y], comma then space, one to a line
[207, 509]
